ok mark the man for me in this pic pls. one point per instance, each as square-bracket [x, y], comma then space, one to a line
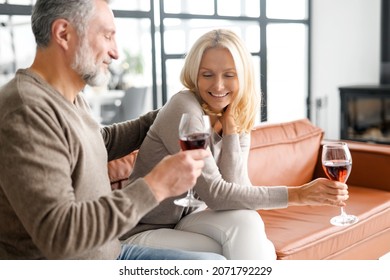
[55, 196]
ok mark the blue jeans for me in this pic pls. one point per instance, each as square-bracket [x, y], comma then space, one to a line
[136, 252]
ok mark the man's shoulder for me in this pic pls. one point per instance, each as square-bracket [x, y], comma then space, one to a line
[19, 88]
[24, 95]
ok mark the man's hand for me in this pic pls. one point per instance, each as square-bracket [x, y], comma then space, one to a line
[175, 174]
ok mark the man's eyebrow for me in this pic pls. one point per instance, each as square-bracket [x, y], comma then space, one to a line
[112, 31]
[106, 29]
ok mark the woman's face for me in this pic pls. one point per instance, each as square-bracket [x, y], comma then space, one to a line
[217, 78]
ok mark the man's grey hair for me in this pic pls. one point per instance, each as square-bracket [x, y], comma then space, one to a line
[45, 12]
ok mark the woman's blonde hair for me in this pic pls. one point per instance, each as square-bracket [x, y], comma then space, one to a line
[245, 105]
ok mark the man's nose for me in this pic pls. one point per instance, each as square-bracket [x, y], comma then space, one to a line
[113, 52]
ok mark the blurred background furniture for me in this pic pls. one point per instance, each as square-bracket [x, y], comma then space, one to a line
[99, 97]
[128, 107]
[365, 113]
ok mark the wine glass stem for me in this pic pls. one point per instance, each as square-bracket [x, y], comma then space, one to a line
[343, 214]
[190, 194]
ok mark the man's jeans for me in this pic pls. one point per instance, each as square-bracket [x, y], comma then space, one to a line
[136, 252]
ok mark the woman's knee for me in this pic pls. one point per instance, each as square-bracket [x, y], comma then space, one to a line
[246, 218]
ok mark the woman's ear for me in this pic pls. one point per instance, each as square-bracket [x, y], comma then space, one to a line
[62, 31]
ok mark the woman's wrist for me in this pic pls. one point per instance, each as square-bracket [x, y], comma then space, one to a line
[293, 196]
[229, 128]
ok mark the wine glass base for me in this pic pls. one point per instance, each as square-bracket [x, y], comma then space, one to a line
[189, 202]
[344, 220]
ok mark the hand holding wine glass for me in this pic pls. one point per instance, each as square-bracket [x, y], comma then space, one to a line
[194, 133]
[337, 164]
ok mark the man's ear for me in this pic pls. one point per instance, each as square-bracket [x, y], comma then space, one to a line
[62, 32]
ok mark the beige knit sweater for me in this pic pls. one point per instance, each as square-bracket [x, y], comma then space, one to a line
[55, 196]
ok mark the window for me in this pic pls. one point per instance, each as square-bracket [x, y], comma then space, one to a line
[15, 34]
[153, 37]
[180, 34]
[275, 31]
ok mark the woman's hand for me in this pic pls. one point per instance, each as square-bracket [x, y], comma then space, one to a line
[228, 122]
[319, 192]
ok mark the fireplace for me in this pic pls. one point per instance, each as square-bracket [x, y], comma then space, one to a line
[365, 113]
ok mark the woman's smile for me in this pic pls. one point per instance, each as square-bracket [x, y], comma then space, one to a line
[218, 95]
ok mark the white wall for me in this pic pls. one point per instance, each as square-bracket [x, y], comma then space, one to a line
[345, 51]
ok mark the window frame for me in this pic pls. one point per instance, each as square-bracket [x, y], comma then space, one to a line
[158, 28]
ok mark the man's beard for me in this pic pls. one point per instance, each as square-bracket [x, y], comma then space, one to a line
[85, 65]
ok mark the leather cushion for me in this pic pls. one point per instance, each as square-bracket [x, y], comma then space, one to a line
[284, 153]
[304, 232]
[120, 169]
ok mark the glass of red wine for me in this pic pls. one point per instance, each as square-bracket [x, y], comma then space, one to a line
[194, 133]
[337, 164]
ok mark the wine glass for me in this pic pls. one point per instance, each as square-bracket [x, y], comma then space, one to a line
[337, 164]
[194, 133]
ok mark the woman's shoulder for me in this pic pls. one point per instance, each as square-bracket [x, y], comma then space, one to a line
[184, 100]
[184, 95]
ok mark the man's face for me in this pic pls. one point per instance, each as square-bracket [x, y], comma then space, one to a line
[97, 47]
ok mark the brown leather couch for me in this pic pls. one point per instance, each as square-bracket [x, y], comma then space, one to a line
[289, 154]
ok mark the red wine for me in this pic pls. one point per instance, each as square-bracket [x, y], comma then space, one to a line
[194, 141]
[337, 170]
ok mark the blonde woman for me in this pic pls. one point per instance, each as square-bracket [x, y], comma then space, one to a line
[219, 80]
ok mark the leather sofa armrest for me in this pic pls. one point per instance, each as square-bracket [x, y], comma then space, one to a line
[370, 165]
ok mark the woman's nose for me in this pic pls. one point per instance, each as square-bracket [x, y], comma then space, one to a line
[219, 83]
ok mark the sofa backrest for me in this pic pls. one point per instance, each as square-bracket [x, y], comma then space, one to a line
[120, 169]
[281, 154]
[284, 153]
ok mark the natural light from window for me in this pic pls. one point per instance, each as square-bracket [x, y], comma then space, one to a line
[287, 42]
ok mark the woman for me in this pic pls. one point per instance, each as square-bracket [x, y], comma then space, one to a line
[219, 78]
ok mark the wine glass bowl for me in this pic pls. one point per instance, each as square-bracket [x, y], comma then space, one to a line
[194, 133]
[337, 164]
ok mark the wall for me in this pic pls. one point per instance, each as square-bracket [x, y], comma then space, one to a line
[345, 51]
